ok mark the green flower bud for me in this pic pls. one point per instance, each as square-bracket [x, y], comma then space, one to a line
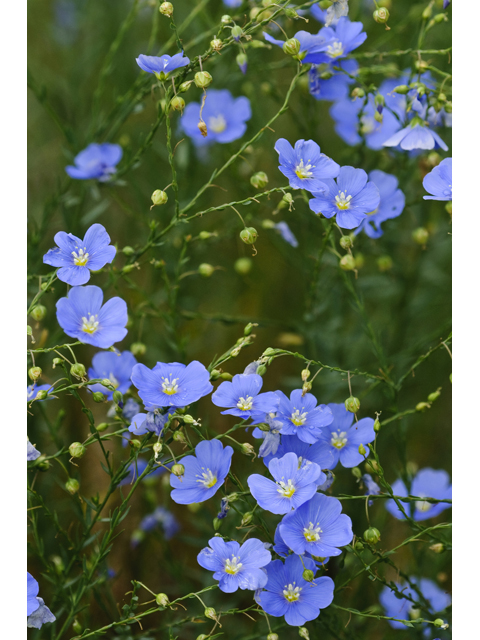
[233, 497]
[307, 386]
[202, 79]
[42, 464]
[57, 362]
[166, 9]
[226, 376]
[287, 198]
[78, 370]
[347, 262]
[243, 266]
[361, 450]
[422, 406]
[98, 396]
[263, 427]
[38, 312]
[378, 117]
[34, 373]
[326, 75]
[102, 426]
[117, 397]
[59, 564]
[185, 86]
[435, 395]
[242, 61]
[420, 236]
[379, 100]
[356, 473]
[440, 17]
[376, 425]
[179, 436]
[359, 545]
[29, 330]
[381, 15]
[225, 19]
[291, 46]
[138, 348]
[448, 107]
[203, 636]
[371, 535]
[249, 328]
[402, 89]
[77, 627]
[303, 631]
[259, 180]
[352, 404]
[134, 443]
[247, 518]
[421, 66]
[210, 613]
[177, 103]
[72, 486]
[159, 197]
[237, 32]
[216, 44]
[77, 449]
[205, 270]
[346, 242]
[358, 92]
[249, 235]
[291, 13]
[438, 547]
[384, 263]
[162, 600]
[427, 12]
[261, 370]
[128, 251]
[217, 523]
[178, 470]
[247, 449]
[438, 622]
[41, 395]
[305, 375]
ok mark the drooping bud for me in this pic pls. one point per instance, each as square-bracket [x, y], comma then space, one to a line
[159, 197]
[371, 535]
[41, 395]
[402, 89]
[378, 117]
[98, 396]
[259, 180]
[225, 19]
[77, 449]
[210, 613]
[205, 270]
[261, 370]
[352, 404]
[34, 373]
[347, 262]
[216, 44]
[379, 102]
[162, 600]
[422, 406]
[72, 486]
[356, 473]
[346, 242]
[305, 375]
[177, 103]
[166, 9]
[434, 395]
[358, 92]
[242, 62]
[376, 425]
[78, 370]
[303, 631]
[420, 236]
[247, 449]
[102, 426]
[178, 470]
[38, 312]
[361, 450]
[249, 235]
[291, 46]
[185, 86]
[138, 348]
[237, 32]
[438, 547]
[306, 387]
[247, 518]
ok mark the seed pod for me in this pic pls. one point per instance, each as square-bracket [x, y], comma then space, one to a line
[77, 449]
[34, 373]
[249, 235]
[38, 312]
[352, 404]
[159, 197]
[202, 79]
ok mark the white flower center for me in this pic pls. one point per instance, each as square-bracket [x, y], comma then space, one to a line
[342, 200]
[208, 479]
[423, 506]
[291, 592]
[339, 439]
[245, 404]
[233, 566]
[90, 324]
[286, 489]
[312, 533]
[335, 50]
[80, 259]
[217, 123]
[169, 386]
[303, 170]
[298, 418]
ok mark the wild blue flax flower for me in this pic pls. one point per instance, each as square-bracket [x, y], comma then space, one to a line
[162, 66]
[397, 607]
[286, 233]
[335, 87]
[204, 473]
[343, 437]
[160, 517]
[233, 4]
[304, 166]
[417, 135]
[350, 198]
[335, 11]
[113, 366]
[316, 453]
[171, 385]
[32, 453]
[236, 566]
[288, 594]
[341, 40]
[317, 526]
[32, 593]
[392, 203]
[82, 316]
[428, 483]
[243, 398]
[295, 482]
[97, 161]
[270, 436]
[152, 421]
[301, 417]
[438, 182]
[225, 117]
[37, 613]
[76, 258]
[371, 487]
[312, 46]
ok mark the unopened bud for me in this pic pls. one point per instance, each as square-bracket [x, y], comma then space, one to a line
[77, 627]
[447, 107]
[166, 9]
[43, 465]
[438, 622]
[303, 631]
[291, 46]
[134, 443]
[352, 404]
[361, 450]
[371, 535]
[72, 486]
[178, 470]
[41, 395]
[346, 242]
[78, 370]
[34, 373]
[356, 473]
[185, 86]
[210, 613]
[243, 266]
[306, 387]
[226, 376]
[159, 197]
[259, 180]
[420, 236]
[347, 262]
[305, 375]
[261, 370]
[247, 449]
[249, 235]
[237, 32]
[379, 101]
[217, 523]
[402, 89]
[138, 349]
[359, 545]
[438, 547]
[434, 395]
[203, 636]
[326, 75]
[177, 103]
[422, 406]
[381, 15]
[77, 449]
[247, 518]
[378, 117]
[179, 436]
[376, 425]
[384, 263]
[440, 17]
[128, 251]
[358, 92]
[233, 497]
[272, 636]
[38, 312]
[202, 79]
[225, 19]
[162, 600]
[102, 426]
[98, 396]
[421, 66]
[205, 270]
[242, 62]
[216, 44]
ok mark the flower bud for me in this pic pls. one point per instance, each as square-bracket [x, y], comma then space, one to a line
[138, 348]
[352, 404]
[247, 449]
[242, 62]
[210, 613]
[272, 636]
[384, 263]
[247, 518]
[422, 406]
[98, 396]
[248, 235]
[179, 436]
[435, 395]
[162, 600]
[421, 66]
[287, 198]
[205, 270]
[217, 523]
[438, 622]
[447, 107]
[203, 79]
[361, 450]
[72, 486]
[358, 92]
[291, 46]
[359, 545]
[305, 375]
[243, 266]
[38, 312]
[346, 242]
[216, 44]
[78, 370]
[261, 370]
[42, 464]
[177, 103]
[420, 236]
[118, 398]
[159, 197]
[356, 473]
[438, 547]
[440, 17]
[185, 86]
[376, 425]
[303, 631]
[41, 395]
[203, 636]
[77, 627]
[225, 19]
[102, 426]
[306, 387]
[401, 89]
[378, 117]
[226, 376]
[381, 15]
[178, 470]
[134, 443]
[166, 9]
[77, 449]
[326, 75]
[106, 382]
[259, 180]
[34, 373]
[347, 262]
[237, 32]
[371, 535]
[233, 497]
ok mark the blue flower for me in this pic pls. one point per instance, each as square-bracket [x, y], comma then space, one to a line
[316, 453]
[37, 613]
[235, 566]
[312, 46]
[344, 436]
[32, 453]
[82, 316]
[371, 487]
[32, 593]
[428, 483]
[334, 88]
[295, 483]
[96, 161]
[301, 417]
[317, 526]
[77, 257]
[318, 13]
[341, 40]
[304, 166]
[130, 409]
[392, 203]
[33, 389]
[288, 594]
[439, 181]
[233, 4]
[242, 396]
[417, 135]
[224, 115]
[114, 366]
[161, 517]
[283, 550]
[350, 198]
[152, 421]
[286, 233]
[439, 118]
[224, 508]
[162, 66]
[270, 434]
[204, 473]
[171, 385]
[395, 607]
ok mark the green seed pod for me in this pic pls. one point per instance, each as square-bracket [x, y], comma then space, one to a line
[233, 497]
[347, 262]
[43, 465]
[226, 376]
[162, 600]
[291, 47]
[376, 425]
[203, 636]
[205, 270]
[72, 486]
[177, 103]
[77, 449]
[77, 627]
[34, 373]
[287, 198]
[326, 75]
[381, 15]
[356, 473]
[98, 396]
[159, 197]
[78, 370]
[38, 312]
[352, 404]
[247, 449]
[305, 375]
[225, 19]
[216, 44]
[57, 362]
[210, 613]
[134, 443]
[102, 426]
[249, 235]
[117, 397]
[359, 545]
[179, 436]
[308, 575]
[438, 622]
[420, 236]
[166, 9]
[307, 387]
[178, 470]
[185, 86]
[371, 535]
[422, 406]
[41, 395]
[346, 242]
[138, 348]
[243, 266]
[188, 419]
[259, 180]
[237, 32]
[128, 251]
[379, 100]
[448, 107]
[202, 79]
[291, 13]
[435, 395]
